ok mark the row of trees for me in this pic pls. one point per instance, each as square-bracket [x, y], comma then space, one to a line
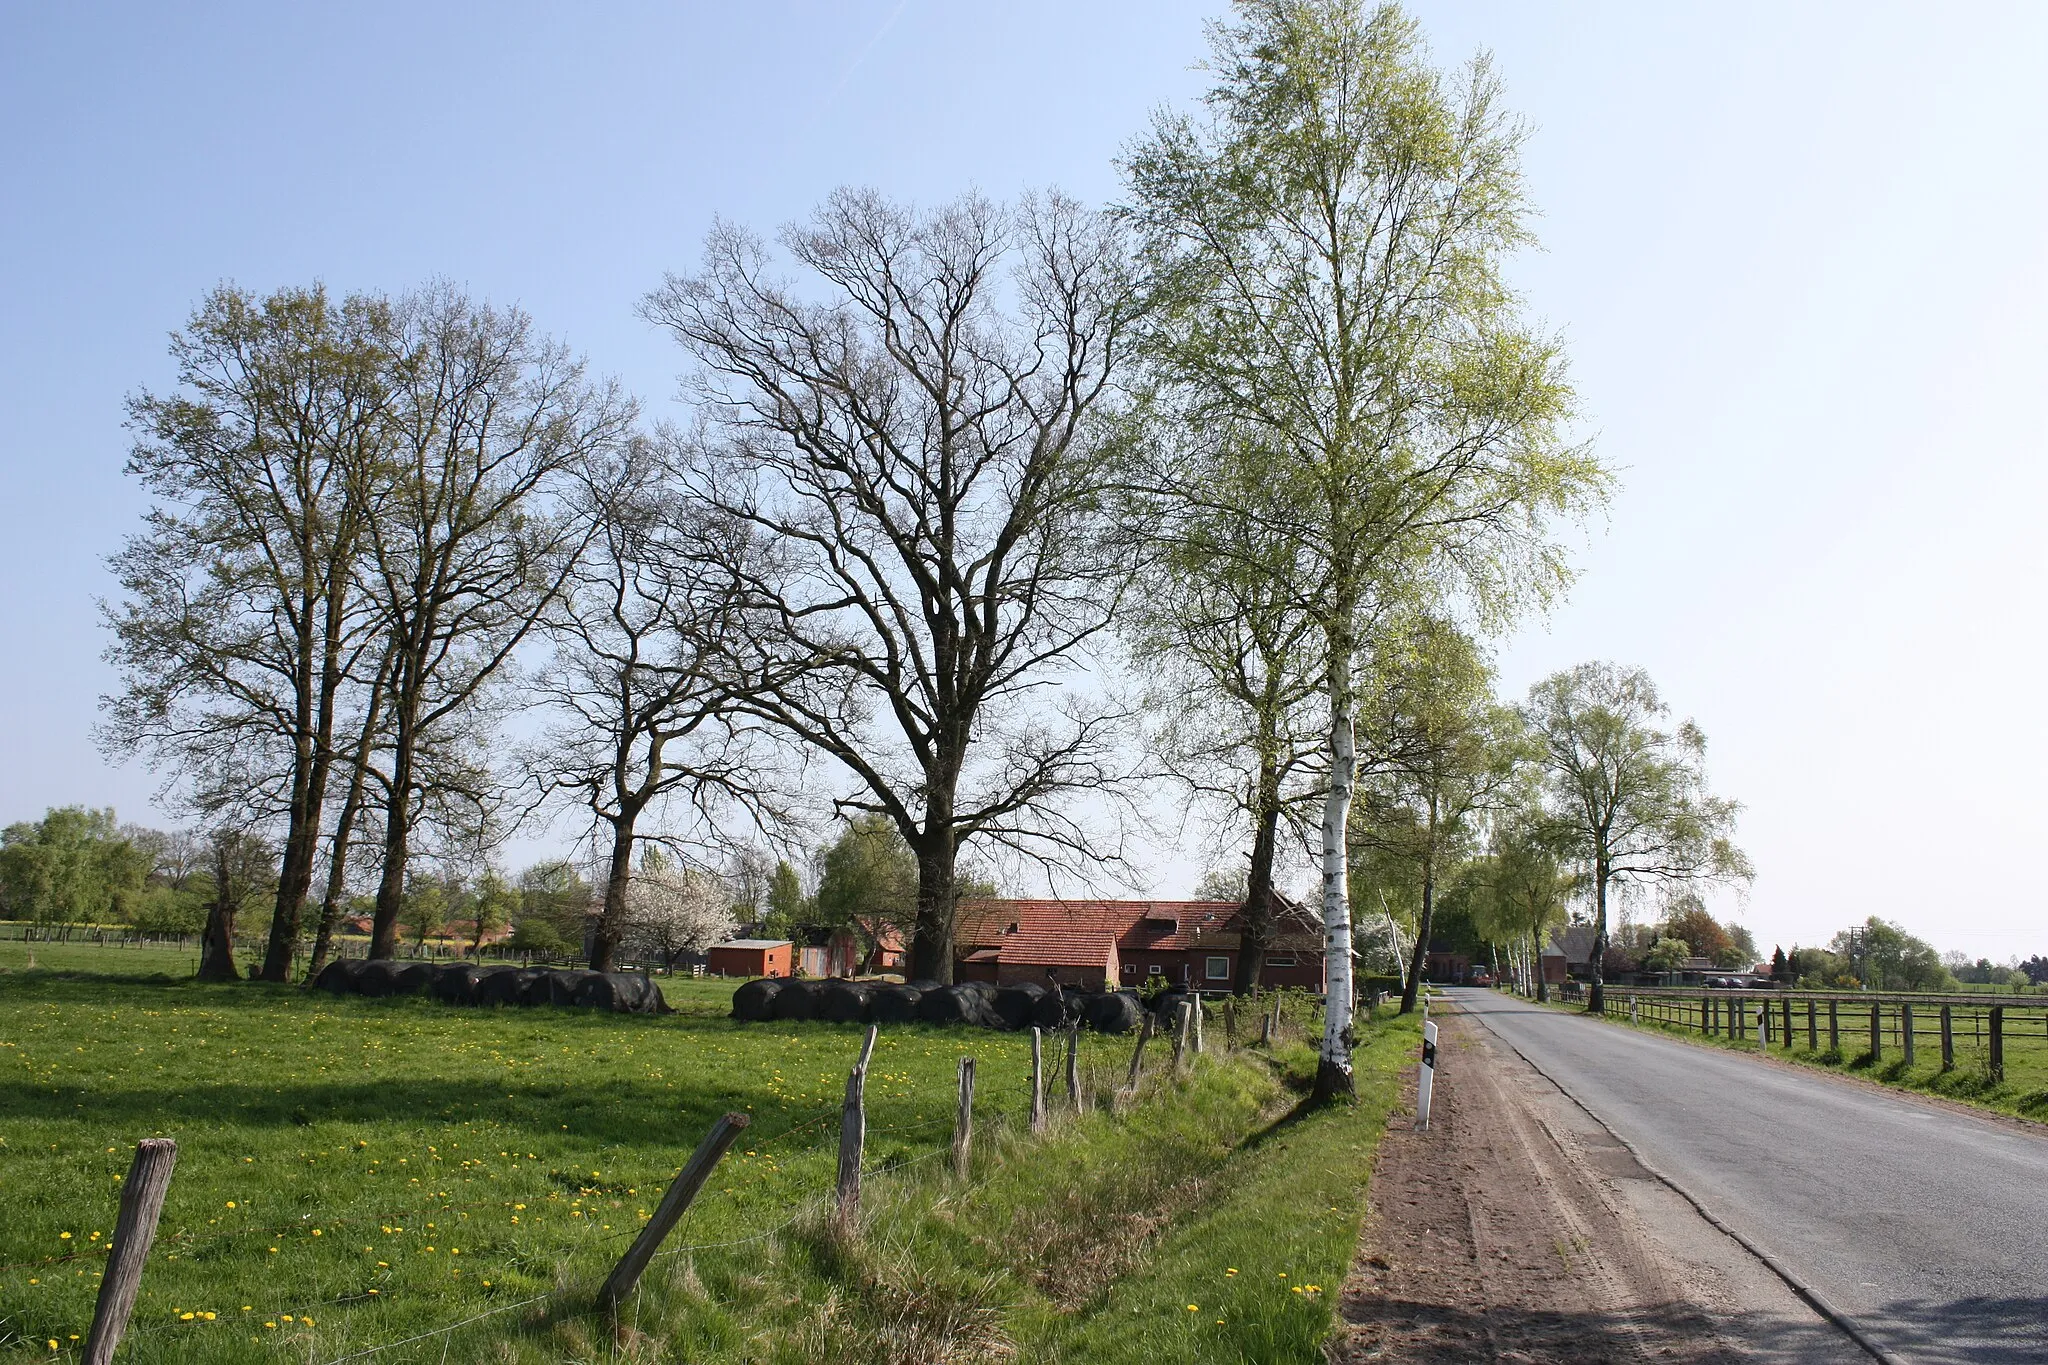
[1276, 430]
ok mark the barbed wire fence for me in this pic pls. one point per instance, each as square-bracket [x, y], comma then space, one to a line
[142, 1199]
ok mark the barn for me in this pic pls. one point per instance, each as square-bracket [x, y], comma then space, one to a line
[749, 957]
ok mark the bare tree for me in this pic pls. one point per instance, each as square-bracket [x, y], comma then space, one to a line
[927, 464]
[471, 546]
[241, 616]
[641, 676]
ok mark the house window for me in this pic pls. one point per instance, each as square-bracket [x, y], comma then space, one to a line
[1219, 969]
[1152, 970]
[1278, 960]
[1128, 969]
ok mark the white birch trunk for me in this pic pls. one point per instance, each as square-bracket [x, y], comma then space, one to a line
[1333, 1072]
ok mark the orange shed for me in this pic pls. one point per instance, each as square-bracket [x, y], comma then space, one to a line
[748, 957]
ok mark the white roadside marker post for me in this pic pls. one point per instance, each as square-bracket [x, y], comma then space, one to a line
[1428, 1079]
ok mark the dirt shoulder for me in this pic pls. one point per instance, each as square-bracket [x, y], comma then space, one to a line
[1518, 1229]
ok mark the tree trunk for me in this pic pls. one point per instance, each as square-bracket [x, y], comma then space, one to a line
[295, 870]
[337, 876]
[391, 885]
[1419, 958]
[1257, 915]
[611, 921]
[1333, 1066]
[1596, 998]
[217, 943]
[931, 941]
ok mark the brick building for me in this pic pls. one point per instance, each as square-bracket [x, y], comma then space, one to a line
[1096, 943]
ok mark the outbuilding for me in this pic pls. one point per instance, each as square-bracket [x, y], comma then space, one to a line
[749, 957]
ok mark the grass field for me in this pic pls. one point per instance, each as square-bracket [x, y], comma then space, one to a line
[354, 1172]
[2024, 1090]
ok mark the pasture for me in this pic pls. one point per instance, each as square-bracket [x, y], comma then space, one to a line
[353, 1173]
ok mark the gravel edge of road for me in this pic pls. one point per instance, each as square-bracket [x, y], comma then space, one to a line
[1812, 1297]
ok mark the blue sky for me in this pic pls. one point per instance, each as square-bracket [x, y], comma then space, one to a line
[1797, 251]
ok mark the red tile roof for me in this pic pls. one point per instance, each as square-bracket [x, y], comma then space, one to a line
[1078, 933]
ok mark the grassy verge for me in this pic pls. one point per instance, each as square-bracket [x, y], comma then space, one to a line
[354, 1172]
[2023, 1092]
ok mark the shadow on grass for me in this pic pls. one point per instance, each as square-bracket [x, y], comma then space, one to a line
[610, 1111]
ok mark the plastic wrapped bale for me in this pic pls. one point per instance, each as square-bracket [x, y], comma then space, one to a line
[797, 1000]
[557, 986]
[619, 992]
[414, 978]
[340, 977]
[1057, 1009]
[894, 1004]
[957, 1005]
[1167, 1006]
[845, 1002]
[1017, 1005]
[1112, 1012]
[754, 1001]
[379, 977]
[455, 984]
[506, 988]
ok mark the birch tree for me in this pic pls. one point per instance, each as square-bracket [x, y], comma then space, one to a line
[1629, 795]
[1327, 246]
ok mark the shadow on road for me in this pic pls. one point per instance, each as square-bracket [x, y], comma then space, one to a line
[1397, 1330]
[1982, 1328]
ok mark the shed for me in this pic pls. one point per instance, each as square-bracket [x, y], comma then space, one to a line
[749, 957]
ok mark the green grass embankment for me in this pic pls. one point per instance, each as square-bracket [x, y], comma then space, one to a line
[355, 1172]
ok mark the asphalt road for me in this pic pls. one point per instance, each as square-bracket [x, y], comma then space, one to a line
[1925, 1227]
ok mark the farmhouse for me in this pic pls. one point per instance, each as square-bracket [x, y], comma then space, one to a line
[1095, 943]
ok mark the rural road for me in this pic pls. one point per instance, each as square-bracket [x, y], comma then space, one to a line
[1926, 1228]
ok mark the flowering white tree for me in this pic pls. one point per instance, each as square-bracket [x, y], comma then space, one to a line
[675, 910]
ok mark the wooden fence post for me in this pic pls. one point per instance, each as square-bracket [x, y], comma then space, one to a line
[1763, 1026]
[1195, 1013]
[963, 1122]
[1230, 1024]
[1037, 1081]
[1138, 1053]
[681, 1191]
[142, 1200]
[1074, 1066]
[1265, 1029]
[1633, 1017]
[1948, 1040]
[1785, 1018]
[853, 1136]
[1997, 1043]
[1812, 1027]
[1180, 1036]
[1906, 1031]
[1707, 1014]
[1876, 1033]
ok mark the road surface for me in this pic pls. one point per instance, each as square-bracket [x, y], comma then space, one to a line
[1925, 1227]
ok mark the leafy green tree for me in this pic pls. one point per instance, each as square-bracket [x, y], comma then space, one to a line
[1524, 891]
[1667, 955]
[243, 867]
[1445, 754]
[1328, 249]
[74, 866]
[426, 909]
[788, 907]
[1688, 918]
[1630, 796]
[493, 901]
[1886, 957]
[867, 882]
[1233, 670]
[553, 898]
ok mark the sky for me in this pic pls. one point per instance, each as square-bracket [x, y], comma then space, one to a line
[1796, 251]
